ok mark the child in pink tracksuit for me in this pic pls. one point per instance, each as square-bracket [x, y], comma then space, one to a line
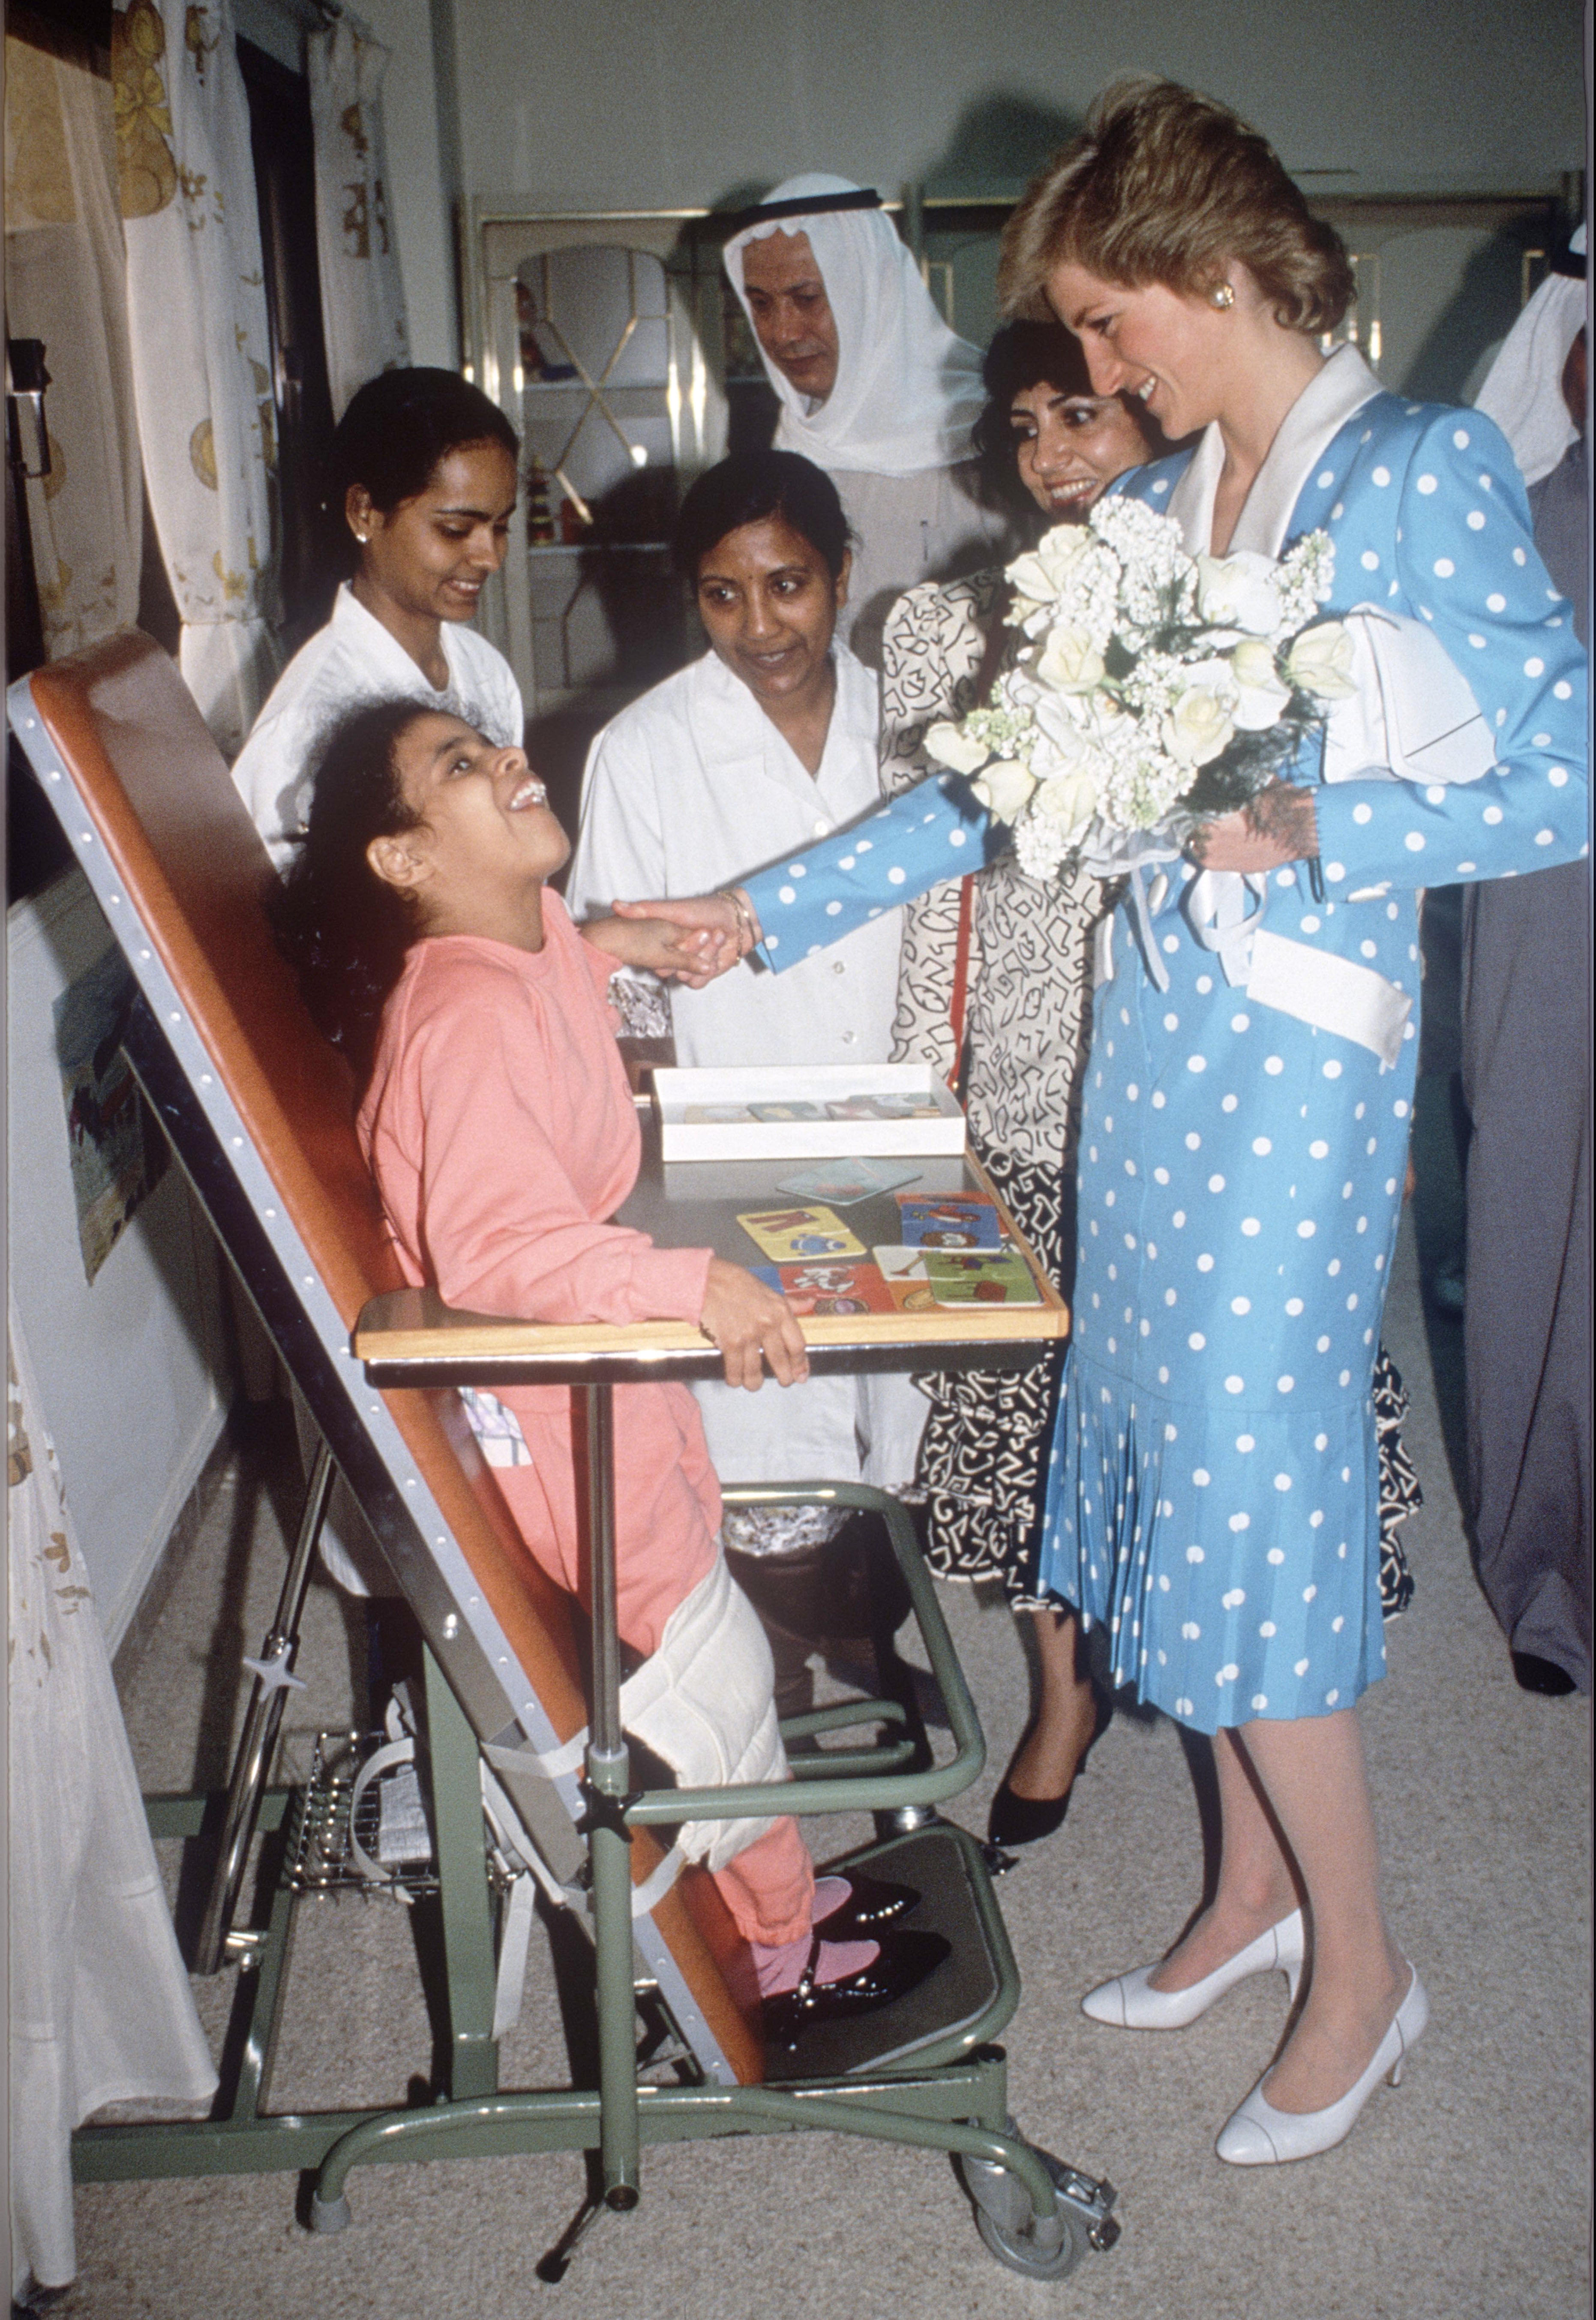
[499, 1126]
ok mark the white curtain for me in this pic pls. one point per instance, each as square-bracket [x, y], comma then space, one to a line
[362, 295]
[65, 283]
[196, 312]
[101, 2009]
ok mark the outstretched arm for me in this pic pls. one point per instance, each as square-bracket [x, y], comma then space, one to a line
[809, 900]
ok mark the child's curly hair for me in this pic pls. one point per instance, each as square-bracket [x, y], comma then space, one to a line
[343, 930]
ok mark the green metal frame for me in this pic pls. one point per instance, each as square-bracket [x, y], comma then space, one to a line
[949, 2096]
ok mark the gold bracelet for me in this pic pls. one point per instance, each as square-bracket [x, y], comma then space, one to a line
[746, 920]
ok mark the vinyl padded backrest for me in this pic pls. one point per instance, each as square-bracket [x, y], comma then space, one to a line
[160, 801]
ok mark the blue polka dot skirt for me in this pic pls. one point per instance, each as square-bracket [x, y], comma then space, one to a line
[1234, 1565]
[1213, 1495]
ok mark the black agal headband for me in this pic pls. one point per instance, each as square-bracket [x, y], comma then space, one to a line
[803, 205]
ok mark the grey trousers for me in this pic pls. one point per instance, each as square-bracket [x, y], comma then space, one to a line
[1527, 1320]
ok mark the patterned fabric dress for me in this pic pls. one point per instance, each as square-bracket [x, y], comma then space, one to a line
[1027, 1022]
[1027, 1027]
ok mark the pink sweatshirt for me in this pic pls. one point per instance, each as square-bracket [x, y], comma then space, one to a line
[500, 1130]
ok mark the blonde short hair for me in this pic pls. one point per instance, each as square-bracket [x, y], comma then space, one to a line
[1165, 186]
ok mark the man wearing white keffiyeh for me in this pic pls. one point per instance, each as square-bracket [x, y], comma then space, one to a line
[874, 387]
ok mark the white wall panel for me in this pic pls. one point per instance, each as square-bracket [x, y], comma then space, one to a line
[132, 1367]
[652, 103]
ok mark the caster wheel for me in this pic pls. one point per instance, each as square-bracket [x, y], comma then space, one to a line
[1031, 2249]
[1041, 2248]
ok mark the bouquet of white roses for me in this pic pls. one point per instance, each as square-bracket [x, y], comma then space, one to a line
[1154, 689]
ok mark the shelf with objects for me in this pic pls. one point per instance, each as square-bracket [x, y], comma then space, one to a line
[530, 1774]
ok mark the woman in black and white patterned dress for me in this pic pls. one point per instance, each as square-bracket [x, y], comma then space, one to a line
[996, 976]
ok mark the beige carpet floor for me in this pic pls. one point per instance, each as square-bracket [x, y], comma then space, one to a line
[1465, 2195]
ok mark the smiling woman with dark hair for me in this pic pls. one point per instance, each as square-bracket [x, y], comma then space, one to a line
[765, 743]
[419, 490]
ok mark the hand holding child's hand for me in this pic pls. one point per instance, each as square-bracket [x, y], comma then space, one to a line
[748, 1321]
[693, 956]
[729, 914]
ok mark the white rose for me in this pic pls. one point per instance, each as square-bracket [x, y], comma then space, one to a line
[951, 745]
[1045, 571]
[1070, 662]
[1028, 615]
[1068, 803]
[1239, 592]
[1062, 720]
[1260, 696]
[1199, 724]
[1111, 726]
[1005, 788]
[1321, 662]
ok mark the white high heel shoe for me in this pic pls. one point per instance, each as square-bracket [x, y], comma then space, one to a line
[1259, 2136]
[1128, 2003]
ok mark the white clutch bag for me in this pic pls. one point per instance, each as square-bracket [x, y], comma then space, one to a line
[1412, 717]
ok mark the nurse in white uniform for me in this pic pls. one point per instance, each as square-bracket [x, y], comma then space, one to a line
[421, 488]
[766, 743]
[874, 387]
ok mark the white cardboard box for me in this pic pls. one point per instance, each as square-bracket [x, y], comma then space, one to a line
[803, 1139]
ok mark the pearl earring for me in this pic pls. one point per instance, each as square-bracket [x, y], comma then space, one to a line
[1222, 296]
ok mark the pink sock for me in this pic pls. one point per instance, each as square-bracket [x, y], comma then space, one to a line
[829, 1893]
[780, 1965]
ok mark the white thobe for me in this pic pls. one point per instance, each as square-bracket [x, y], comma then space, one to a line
[906, 529]
[690, 788]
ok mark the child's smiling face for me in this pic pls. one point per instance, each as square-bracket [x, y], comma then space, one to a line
[485, 839]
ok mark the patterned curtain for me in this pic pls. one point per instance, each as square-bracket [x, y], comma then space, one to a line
[65, 283]
[196, 312]
[101, 2009]
[362, 296]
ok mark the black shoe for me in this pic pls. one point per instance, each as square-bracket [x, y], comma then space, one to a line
[1545, 1676]
[871, 1904]
[1026, 1820]
[903, 1962]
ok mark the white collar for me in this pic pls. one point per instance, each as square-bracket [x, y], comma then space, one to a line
[730, 727]
[367, 636]
[1342, 385]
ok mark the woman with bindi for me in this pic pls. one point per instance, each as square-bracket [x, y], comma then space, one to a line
[420, 489]
[874, 387]
[761, 746]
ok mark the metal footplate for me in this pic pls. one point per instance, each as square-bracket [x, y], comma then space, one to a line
[1042, 2248]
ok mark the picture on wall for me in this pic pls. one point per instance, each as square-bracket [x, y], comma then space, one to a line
[117, 1151]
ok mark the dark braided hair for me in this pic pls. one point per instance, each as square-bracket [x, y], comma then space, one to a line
[342, 928]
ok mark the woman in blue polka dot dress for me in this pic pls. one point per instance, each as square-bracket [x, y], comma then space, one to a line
[1213, 1498]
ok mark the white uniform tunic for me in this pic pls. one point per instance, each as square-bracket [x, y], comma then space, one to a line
[354, 659]
[682, 790]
